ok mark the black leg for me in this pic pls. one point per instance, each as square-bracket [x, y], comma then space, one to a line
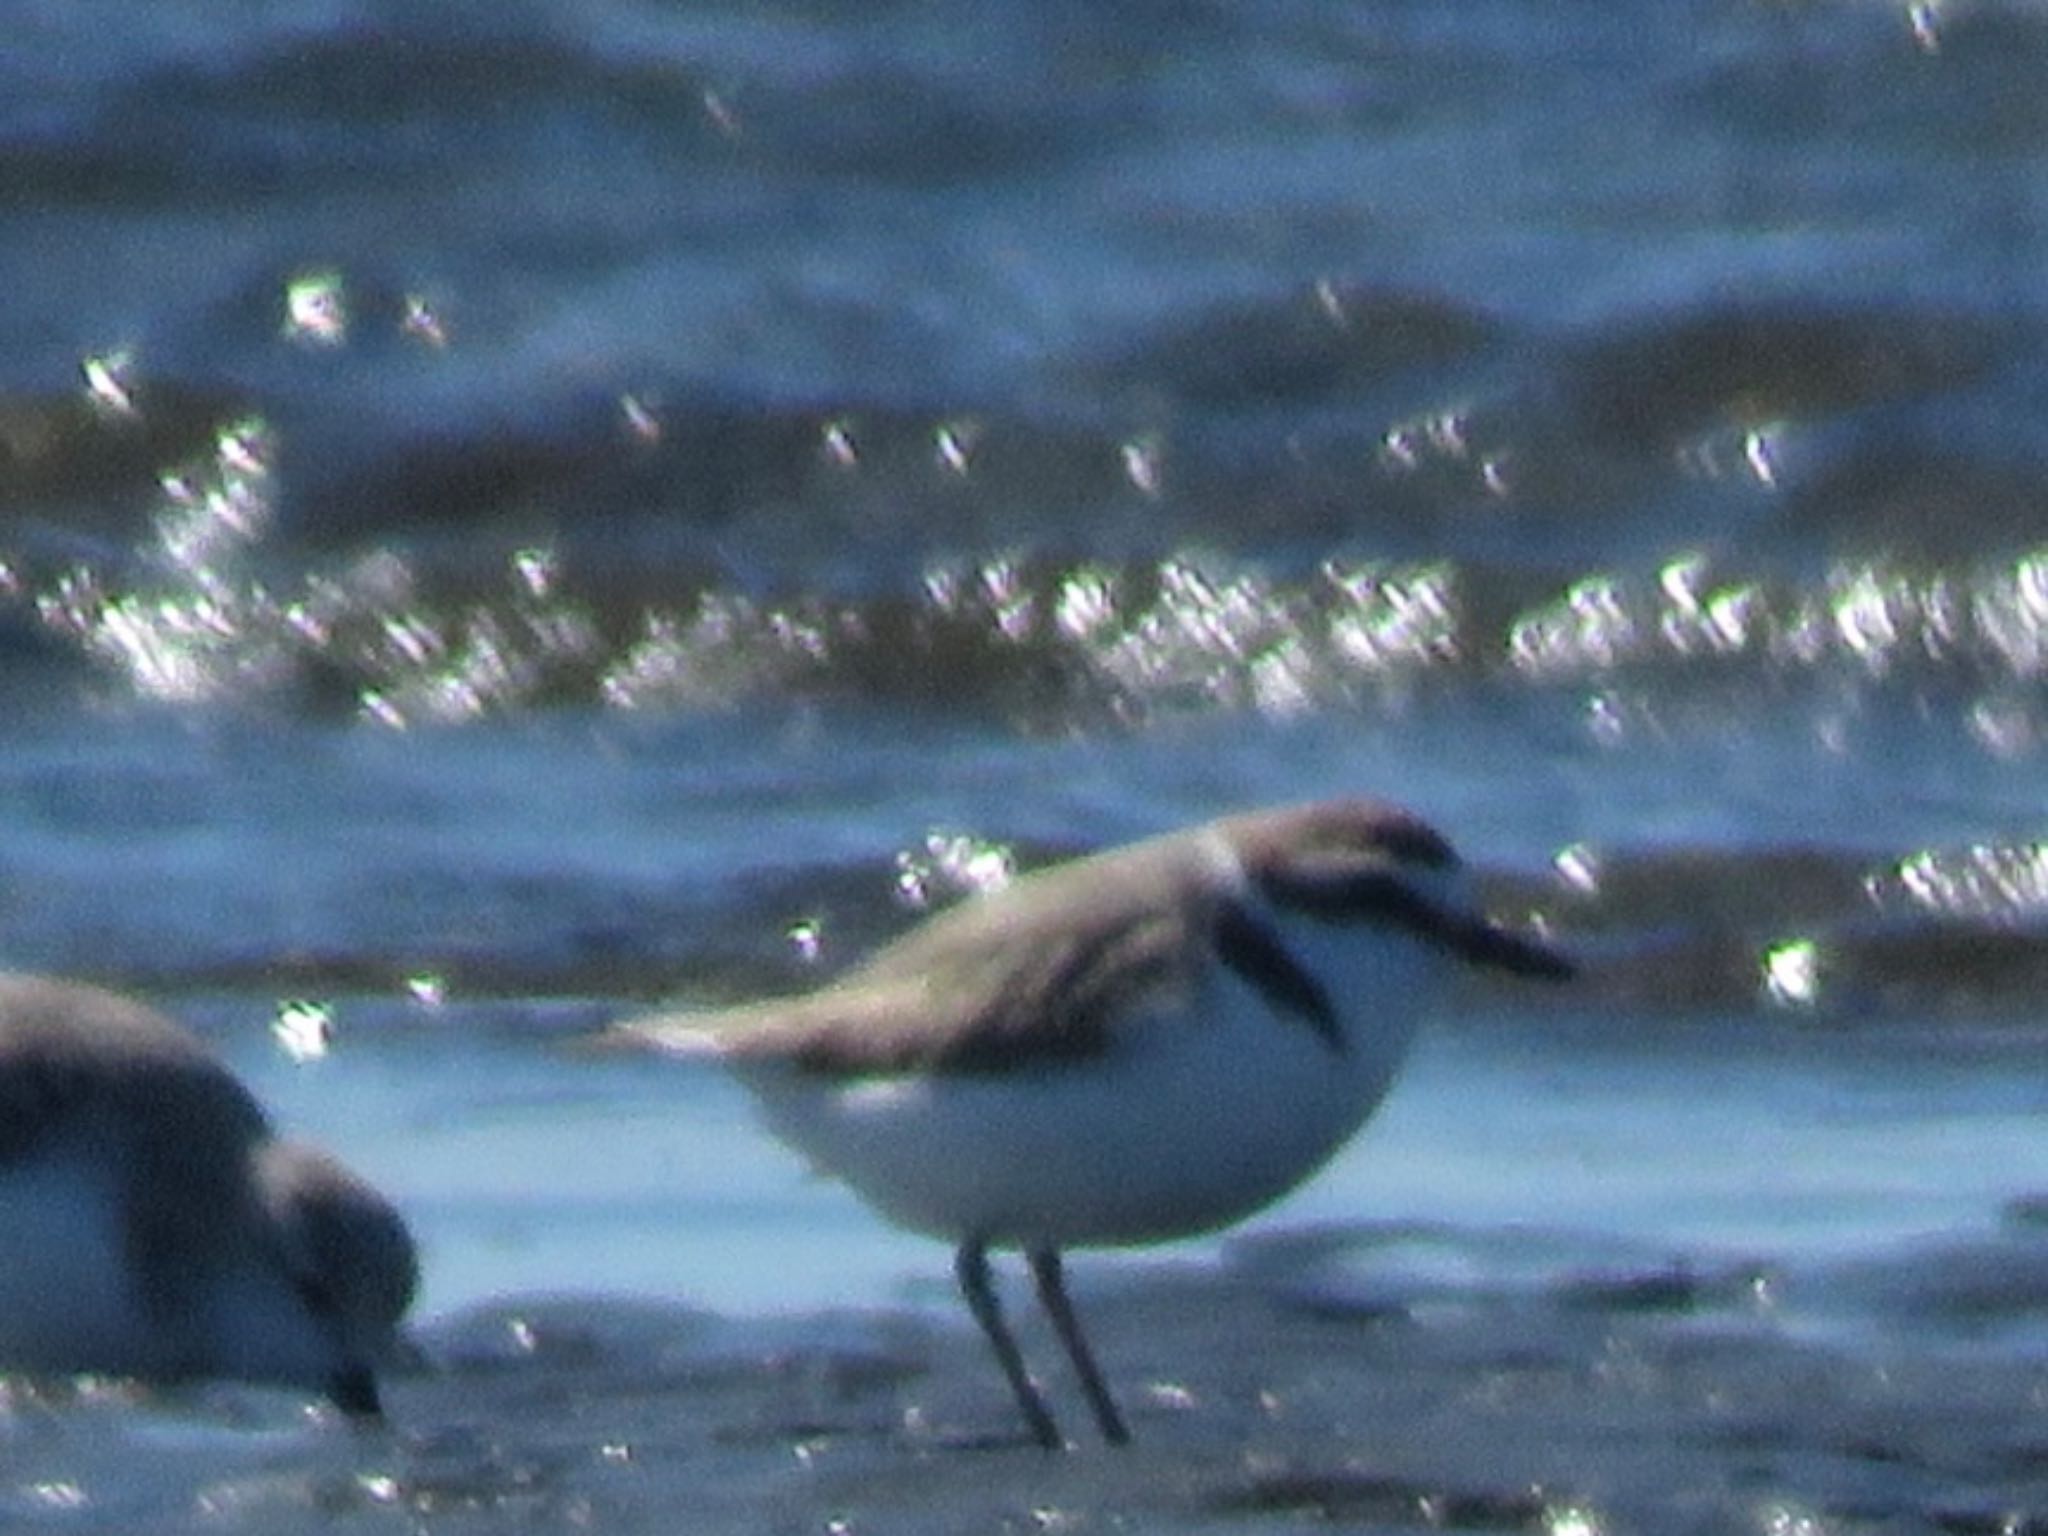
[970, 1264]
[1052, 1293]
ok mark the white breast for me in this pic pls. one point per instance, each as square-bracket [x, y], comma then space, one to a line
[67, 1300]
[70, 1303]
[1195, 1124]
[258, 1329]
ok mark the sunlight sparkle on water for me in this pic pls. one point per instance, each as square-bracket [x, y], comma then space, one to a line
[730, 647]
[1012, 603]
[110, 380]
[536, 571]
[1086, 602]
[807, 937]
[1871, 614]
[642, 425]
[836, 438]
[59, 1495]
[427, 989]
[1788, 1520]
[1866, 614]
[213, 510]
[1571, 1520]
[953, 445]
[1282, 679]
[376, 707]
[1694, 621]
[951, 863]
[1759, 452]
[1143, 461]
[1197, 632]
[1792, 973]
[1924, 17]
[304, 1031]
[1589, 628]
[1579, 867]
[167, 648]
[419, 320]
[2010, 612]
[1984, 880]
[1386, 618]
[316, 309]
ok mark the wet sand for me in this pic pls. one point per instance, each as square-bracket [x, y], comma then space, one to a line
[1299, 1386]
[1265, 1399]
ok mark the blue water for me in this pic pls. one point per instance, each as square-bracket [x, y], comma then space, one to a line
[509, 515]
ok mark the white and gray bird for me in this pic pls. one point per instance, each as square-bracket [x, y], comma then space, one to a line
[1146, 1044]
[154, 1227]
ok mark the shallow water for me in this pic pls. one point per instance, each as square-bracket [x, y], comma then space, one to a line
[508, 515]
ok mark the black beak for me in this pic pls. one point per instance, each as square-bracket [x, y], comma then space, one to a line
[1489, 944]
[354, 1392]
[1383, 896]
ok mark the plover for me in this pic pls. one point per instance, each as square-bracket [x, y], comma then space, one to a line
[1146, 1044]
[154, 1227]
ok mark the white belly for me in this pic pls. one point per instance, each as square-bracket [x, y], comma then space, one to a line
[67, 1300]
[69, 1303]
[1197, 1126]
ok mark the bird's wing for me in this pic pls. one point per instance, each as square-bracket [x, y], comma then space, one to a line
[1055, 968]
[72, 1053]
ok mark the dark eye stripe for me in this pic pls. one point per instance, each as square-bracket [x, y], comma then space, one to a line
[1411, 842]
[1382, 896]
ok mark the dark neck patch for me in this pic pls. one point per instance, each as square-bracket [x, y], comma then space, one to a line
[1250, 948]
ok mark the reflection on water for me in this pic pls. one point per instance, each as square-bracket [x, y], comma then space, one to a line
[1768, 523]
[1057, 646]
